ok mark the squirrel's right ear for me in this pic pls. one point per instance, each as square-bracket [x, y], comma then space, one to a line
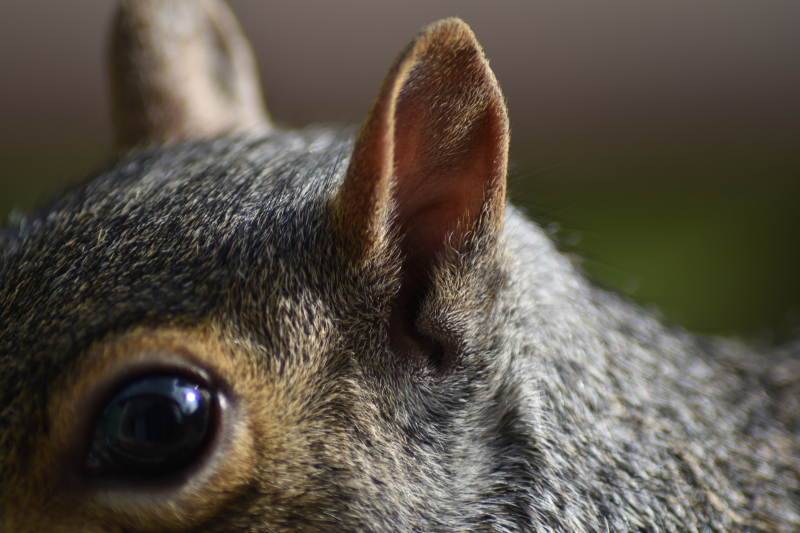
[181, 70]
[428, 172]
[430, 161]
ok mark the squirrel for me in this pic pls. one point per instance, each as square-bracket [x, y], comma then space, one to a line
[239, 328]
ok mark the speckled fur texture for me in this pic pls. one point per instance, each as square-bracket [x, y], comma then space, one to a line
[523, 398]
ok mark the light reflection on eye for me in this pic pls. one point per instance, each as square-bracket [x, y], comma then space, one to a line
[152, 427]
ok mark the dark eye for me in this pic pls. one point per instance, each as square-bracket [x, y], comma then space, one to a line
[152, 427]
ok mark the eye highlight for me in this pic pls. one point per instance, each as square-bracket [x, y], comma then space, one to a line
[152, 427]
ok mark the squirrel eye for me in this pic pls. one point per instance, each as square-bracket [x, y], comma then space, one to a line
[152, 427]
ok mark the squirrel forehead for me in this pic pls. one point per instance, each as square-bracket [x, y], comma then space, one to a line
[190, 190]
[173, 232]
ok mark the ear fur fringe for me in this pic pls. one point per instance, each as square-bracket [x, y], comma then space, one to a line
[439, 103]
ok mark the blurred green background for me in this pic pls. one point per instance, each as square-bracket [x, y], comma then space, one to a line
[705, 231]
[659, 143]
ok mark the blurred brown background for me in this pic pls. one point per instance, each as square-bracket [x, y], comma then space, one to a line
[659, 141]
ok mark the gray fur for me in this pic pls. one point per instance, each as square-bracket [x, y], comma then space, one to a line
[554, 406]
[570, 410]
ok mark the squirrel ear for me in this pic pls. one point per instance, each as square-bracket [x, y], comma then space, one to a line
[180, 70]
[432, 155]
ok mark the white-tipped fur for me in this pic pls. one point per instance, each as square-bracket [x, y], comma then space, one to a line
[483, 385]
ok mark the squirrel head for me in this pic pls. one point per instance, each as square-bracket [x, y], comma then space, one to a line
[241, 328]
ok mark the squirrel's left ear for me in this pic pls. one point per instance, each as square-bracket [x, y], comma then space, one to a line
[432, 155]
[181, 70]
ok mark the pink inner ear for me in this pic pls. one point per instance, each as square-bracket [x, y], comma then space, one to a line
[440, 189]
[433, 151]
[442, 183]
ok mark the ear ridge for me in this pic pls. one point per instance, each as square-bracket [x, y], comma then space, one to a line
[362, 206]
[181, 70]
